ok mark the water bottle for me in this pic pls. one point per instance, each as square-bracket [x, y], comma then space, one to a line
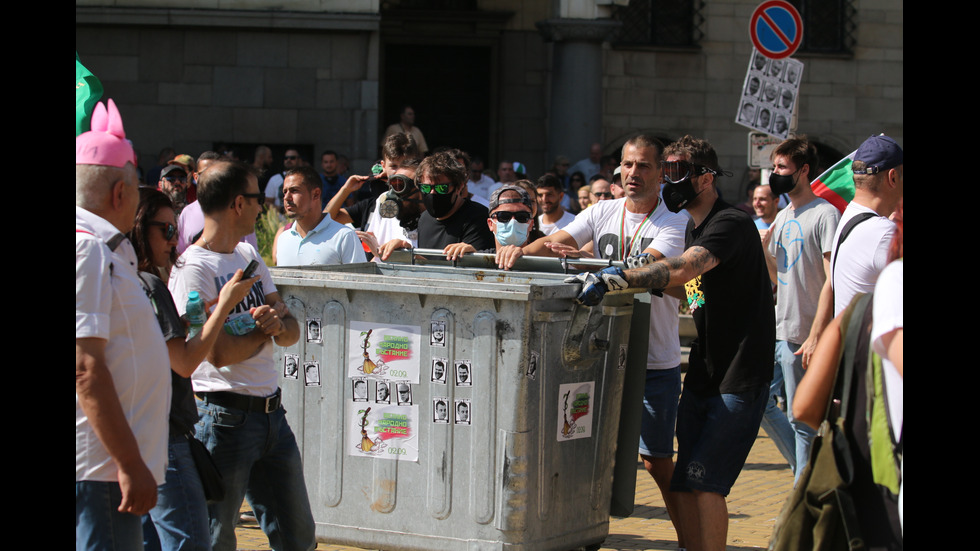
[196, 313]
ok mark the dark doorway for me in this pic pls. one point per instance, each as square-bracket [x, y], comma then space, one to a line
[449, 88]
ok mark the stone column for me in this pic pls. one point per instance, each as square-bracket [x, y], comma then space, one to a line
[575, 114]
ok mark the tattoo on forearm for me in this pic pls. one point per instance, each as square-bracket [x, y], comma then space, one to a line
[695, 260]
[654, 276]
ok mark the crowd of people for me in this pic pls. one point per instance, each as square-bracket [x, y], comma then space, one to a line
[762, 307]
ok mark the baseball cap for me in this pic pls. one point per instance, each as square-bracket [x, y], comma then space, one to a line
[879, 153]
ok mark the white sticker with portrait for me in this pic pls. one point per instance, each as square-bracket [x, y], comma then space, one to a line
[290, 366]
[314, 330]
[359, 389]
[462, 412]
[311, 371]
[383, 351]
[382, 431]
[575, 407]
[439, 370]
[464, 373]
[437, 333]
[440, 410]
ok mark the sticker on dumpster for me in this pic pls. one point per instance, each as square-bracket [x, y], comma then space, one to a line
[575, 410]
[439, 370]
[383, 432]
[313, 333]
[383, 351]
[290, 366]
[437, 333]
[464, 373]
[463, 413]
[312, 370]
[532, 366]
[440, 410]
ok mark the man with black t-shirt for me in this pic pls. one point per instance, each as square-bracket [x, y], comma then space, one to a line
[727, 287]
[451, 221]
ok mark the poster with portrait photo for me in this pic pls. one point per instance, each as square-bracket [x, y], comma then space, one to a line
[403, 393]
[290, 366]
[462, 414]
[440, 410]
[314, 330]
[437, 333]
[464, 373]
[382, 394]
[312, 373]
[359, 389]
[439, 370]
[769, 94]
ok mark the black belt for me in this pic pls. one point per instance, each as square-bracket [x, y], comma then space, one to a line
[231, 400]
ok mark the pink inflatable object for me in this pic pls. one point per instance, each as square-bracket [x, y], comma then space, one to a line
[106, 143]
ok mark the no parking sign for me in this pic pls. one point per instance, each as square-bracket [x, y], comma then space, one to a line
[776, 29]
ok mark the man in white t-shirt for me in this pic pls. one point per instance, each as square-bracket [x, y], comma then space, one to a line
[860, 255]
[242, 421]
[638, 224]
[553, 215]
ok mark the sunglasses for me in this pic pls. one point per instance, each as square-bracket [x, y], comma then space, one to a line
[606, 194]
[172, 179]
[401, 184]
[504, 216]
[260, 197]
[676, 172]
[169, 230]
[291, 157]
[440, 189]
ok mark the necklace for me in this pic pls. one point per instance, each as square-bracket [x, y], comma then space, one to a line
[627, 250]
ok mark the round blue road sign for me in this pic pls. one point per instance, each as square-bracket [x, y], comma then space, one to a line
[776, 29]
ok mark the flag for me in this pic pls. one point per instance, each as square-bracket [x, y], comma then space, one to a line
[836, 184]
[88, 90]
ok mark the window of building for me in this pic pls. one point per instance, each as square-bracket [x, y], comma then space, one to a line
[664, 23]
[828, 26]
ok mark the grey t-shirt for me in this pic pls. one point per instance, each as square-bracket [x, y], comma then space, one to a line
[800, 239]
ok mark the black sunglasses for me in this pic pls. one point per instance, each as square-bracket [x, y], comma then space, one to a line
[169, 230]
[504, 216]
[260, 197]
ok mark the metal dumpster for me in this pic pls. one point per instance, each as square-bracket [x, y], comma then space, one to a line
[441, 407]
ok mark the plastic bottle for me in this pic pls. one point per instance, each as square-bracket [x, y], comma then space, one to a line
[196, 313]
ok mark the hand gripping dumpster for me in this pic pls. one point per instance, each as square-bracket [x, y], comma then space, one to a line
[458, 408]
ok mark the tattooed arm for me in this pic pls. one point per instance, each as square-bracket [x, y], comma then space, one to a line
[673, 272]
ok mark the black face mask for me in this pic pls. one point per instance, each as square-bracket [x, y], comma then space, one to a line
[439, 205]
[782, 183]
[676, 196]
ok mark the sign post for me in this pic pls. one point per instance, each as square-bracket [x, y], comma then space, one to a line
[776, 29]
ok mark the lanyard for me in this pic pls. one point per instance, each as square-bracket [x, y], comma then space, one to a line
[628, 250]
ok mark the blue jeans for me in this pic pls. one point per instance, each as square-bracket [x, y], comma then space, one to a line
[714, 437]
[792, 367]
[258, 458]
[180, 519]
[99, 526]
[775, 421]
[659, 414]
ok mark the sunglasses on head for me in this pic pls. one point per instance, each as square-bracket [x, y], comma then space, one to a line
[522, 217]
[676, 172]
[440, 189]
[169, 230]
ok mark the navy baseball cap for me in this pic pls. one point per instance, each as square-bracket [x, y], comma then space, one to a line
[879, 153]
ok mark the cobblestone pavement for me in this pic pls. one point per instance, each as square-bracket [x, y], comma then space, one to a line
[753, 506]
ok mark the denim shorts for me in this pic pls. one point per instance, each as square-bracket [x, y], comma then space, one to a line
[663, 388]
[714, 437]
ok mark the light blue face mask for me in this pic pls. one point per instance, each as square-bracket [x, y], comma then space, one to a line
[512, 233]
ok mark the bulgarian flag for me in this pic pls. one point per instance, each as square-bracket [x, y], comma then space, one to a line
[836, 185]
[88, 90]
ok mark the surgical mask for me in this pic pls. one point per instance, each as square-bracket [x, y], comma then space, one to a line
[512, 233]
[677, 195]
[781, 183]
